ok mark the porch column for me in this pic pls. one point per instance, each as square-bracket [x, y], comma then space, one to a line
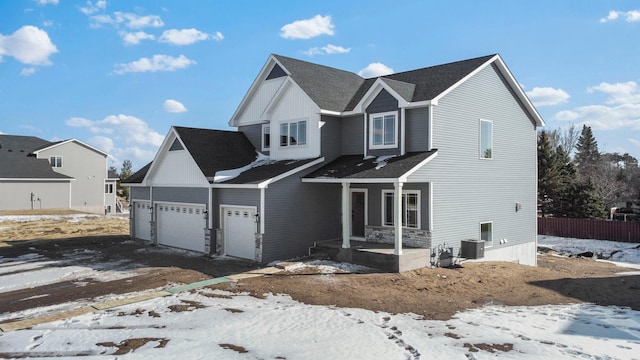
[346, 216]
[397, 217]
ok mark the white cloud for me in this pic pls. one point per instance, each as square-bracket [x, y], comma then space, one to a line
[134, 38]
[629, 16]
[130, 20]
[174, 106]
[47, 23]
[329, 49]
[306, 29]
[620, 111]
[156, 63]
[187, 36]
[93, 8]
[123, 136]
[375, 70]
[546, 96]
[619, 93]
[27, 71]
[29, 45]
[47, 2]
[634, 141]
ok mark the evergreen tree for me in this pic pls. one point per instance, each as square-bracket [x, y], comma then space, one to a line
[548, 176]
[567, 175]
[587, 155]
[125, 173]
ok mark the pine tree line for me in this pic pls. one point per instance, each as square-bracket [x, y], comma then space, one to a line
[587, 185]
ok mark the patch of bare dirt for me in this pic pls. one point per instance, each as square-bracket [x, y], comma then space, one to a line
[130, 345]
[235, 348]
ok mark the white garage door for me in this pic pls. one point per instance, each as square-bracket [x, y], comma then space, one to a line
[181, 226]
[141, 218]
[239, 232]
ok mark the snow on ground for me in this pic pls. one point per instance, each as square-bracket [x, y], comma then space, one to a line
[219, 325]
[27, 218]
[619, 252]
[214, 324]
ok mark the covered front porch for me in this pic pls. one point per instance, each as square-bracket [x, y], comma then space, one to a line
[386, 216]
[377, 255]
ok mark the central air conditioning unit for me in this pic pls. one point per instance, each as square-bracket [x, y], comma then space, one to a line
[472, 249]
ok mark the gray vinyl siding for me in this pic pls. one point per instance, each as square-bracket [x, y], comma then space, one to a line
[468, 190]
[331, 137]
[384, 102]
[254, 134]
[139, 193]
[353, 135]
[189, 195]
[417, 129]
[374, 201]
[16, 195]
[297, 215]
[236, 197]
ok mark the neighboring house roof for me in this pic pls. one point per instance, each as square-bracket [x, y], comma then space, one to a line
[58, 143]
[138, 176]
[17, 161]
[112, 175]
[360, 168]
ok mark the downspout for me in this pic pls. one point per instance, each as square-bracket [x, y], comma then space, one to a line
[430, 128]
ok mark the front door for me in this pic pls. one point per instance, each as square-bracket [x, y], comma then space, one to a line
[358, 212]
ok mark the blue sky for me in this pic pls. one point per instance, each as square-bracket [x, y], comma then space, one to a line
[118, 74]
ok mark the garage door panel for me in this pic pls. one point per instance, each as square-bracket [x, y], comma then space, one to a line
[142, 219]
[239, 232]
[181, 226]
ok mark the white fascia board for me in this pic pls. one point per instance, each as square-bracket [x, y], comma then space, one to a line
[373, 91]
[133, 185]
[266, 183]
[275, 100]
[164, 147]
[515, 86]
[352, 180]
[469, 75]
[331, 113]
[233, 186]
[262, 75]
[405, 176]
[76, 141]
[36, 179]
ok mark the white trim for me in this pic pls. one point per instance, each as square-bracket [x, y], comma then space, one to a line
[404, 192]
[222, 224]
[262, 207]
[266, 183]
[345, 207]
[175, 203]
[373, 91]
[72, 140]
[430, 226]
[297, 145]
[36, 179]
[430, 128]
[366, 209]
[365, 129]
[405, 176]
[351, 180]
[491, 147]
[395, 114]
[403, 131]
[486, 244]
[262, 133]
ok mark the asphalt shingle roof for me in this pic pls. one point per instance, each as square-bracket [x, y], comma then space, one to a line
[16, 161]
[268, 171]
[357, 167]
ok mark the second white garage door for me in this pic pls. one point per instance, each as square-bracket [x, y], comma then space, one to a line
[239, 232]
[181, 226]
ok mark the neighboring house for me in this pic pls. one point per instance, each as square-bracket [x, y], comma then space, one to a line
[425, 159]
[38, 174]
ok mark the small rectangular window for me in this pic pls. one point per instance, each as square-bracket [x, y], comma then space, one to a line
[383, 132]
[486, 139]
[56, 161]
[266, 137]
[486, 233]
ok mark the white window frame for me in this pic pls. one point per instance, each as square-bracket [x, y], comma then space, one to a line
[294, 125]
[266, 130]
[108, 188]
[372, 118]
[488, 242]
[405, 207]
[481, 151]
[55, 161]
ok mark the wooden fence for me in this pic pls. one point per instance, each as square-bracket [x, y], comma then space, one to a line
[625, 231]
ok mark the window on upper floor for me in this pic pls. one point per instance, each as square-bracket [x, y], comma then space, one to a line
[108, 188]
[486, 139]
[410, 208]
[266, 137]
[293, 133]
[56, 161]
[486, 233]
[383, 130]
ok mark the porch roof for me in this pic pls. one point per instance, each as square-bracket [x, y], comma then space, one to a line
[270, 170]
[357, 168]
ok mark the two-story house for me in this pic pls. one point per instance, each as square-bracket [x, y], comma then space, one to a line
[430, 159]
[69, 174]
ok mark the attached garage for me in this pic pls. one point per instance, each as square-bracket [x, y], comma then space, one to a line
[142, 219]
[239, 228]
[181, 225]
